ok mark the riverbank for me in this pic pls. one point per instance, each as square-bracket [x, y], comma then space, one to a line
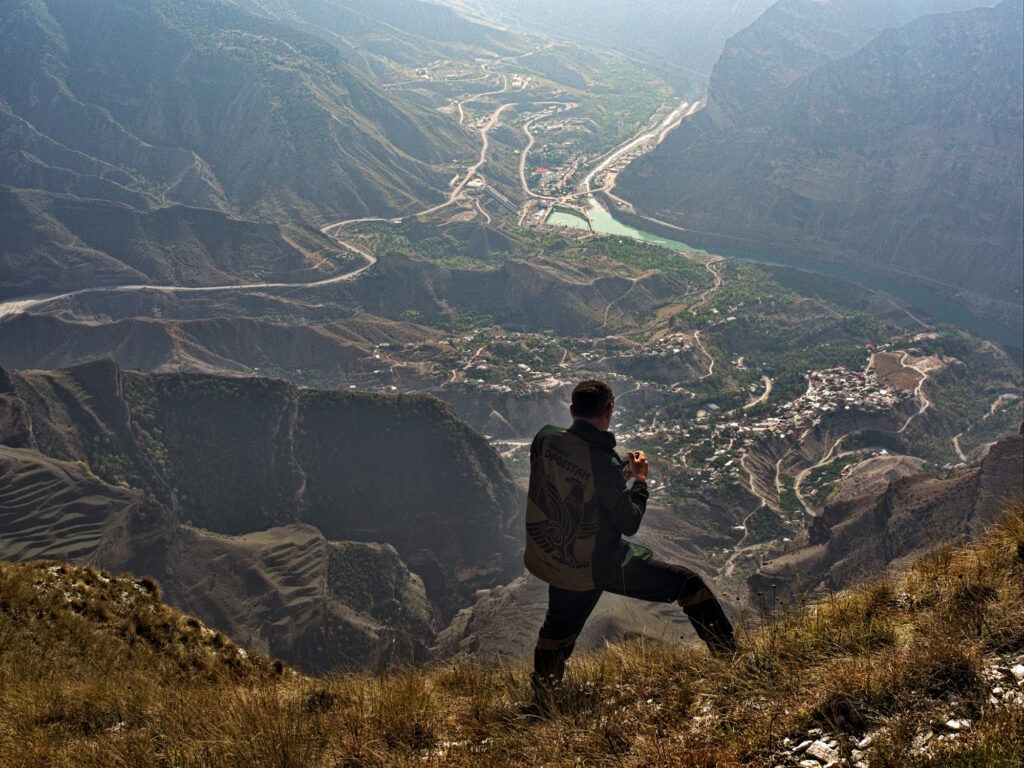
[935, 302]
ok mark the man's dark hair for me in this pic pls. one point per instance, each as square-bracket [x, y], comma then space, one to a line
[590, 398]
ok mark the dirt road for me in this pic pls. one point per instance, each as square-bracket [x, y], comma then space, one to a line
[918, 393]
[495, 116]
[767, 392]
[17, 307]
[566, 107]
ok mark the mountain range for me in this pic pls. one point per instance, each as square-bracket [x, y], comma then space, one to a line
[896, 149]
[406, 298]
[388, 38]
[119, 120]
[679, 40]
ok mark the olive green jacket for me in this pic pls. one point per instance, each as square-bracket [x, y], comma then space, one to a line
[579, 508]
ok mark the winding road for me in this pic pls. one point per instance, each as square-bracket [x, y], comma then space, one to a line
[956, 447]
[828, 458]
[711, 359]
[918, 393]
[711, 266]
[767, 392]
[658, 133]
[566, 107]
[1003, 398]
[738, 549]
[495, 116]
[20, 306]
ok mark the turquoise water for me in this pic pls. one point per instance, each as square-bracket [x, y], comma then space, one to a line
[938, 306]
[566, 219]
[607, 224]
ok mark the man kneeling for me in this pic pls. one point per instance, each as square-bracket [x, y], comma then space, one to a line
[583, 499]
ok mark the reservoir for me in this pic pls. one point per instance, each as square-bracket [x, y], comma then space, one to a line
[938, 306]
[566, 219]
[605, 224]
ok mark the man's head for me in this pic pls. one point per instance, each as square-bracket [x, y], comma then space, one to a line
[592, 401]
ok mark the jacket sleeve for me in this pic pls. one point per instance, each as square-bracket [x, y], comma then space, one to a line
[623, 507]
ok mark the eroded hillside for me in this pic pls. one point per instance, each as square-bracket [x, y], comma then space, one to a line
[329, 523]
[134, 136]
[857, 537]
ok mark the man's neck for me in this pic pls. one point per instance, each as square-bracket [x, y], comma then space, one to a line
[599, 425]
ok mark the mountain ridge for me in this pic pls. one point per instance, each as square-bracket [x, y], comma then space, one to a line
[858, 538]
[900, 156]
[154, 112]
[296, 488]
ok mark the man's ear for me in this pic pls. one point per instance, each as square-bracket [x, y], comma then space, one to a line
[608, 410]
[572, 411]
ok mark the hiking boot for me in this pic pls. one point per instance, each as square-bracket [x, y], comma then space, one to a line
[544, 692]
[721, 645]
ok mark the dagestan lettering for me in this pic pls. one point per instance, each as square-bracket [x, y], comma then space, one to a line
[559, 459]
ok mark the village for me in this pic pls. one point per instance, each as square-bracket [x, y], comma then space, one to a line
[716, 444]
[708, 447]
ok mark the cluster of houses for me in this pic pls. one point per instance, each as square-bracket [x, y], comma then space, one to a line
[525, 375]
[714, 445]
[829, 392]
[551, 180]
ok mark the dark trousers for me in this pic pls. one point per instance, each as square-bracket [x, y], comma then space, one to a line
[643, 579]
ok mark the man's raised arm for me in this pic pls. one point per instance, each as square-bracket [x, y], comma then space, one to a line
[626, 502]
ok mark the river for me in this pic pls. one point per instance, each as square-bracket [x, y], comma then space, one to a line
[941, 308]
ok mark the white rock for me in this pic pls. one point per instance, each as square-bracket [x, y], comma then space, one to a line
[865, 742]
[809, 764]
[954, 724]
[802, 746]
[822, 752]
[1018, 673]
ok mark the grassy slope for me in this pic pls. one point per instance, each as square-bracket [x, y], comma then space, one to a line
[91, 677]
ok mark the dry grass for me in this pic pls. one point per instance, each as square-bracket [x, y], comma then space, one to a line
[89, 677]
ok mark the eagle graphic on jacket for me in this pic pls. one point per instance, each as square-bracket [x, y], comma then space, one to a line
[568, 520]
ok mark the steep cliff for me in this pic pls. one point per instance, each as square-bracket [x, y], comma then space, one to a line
[900, 151]
[860, 538]
[268, 506]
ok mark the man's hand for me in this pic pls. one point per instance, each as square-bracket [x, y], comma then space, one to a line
[637, 466]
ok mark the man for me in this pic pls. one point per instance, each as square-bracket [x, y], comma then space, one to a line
[583, 499]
